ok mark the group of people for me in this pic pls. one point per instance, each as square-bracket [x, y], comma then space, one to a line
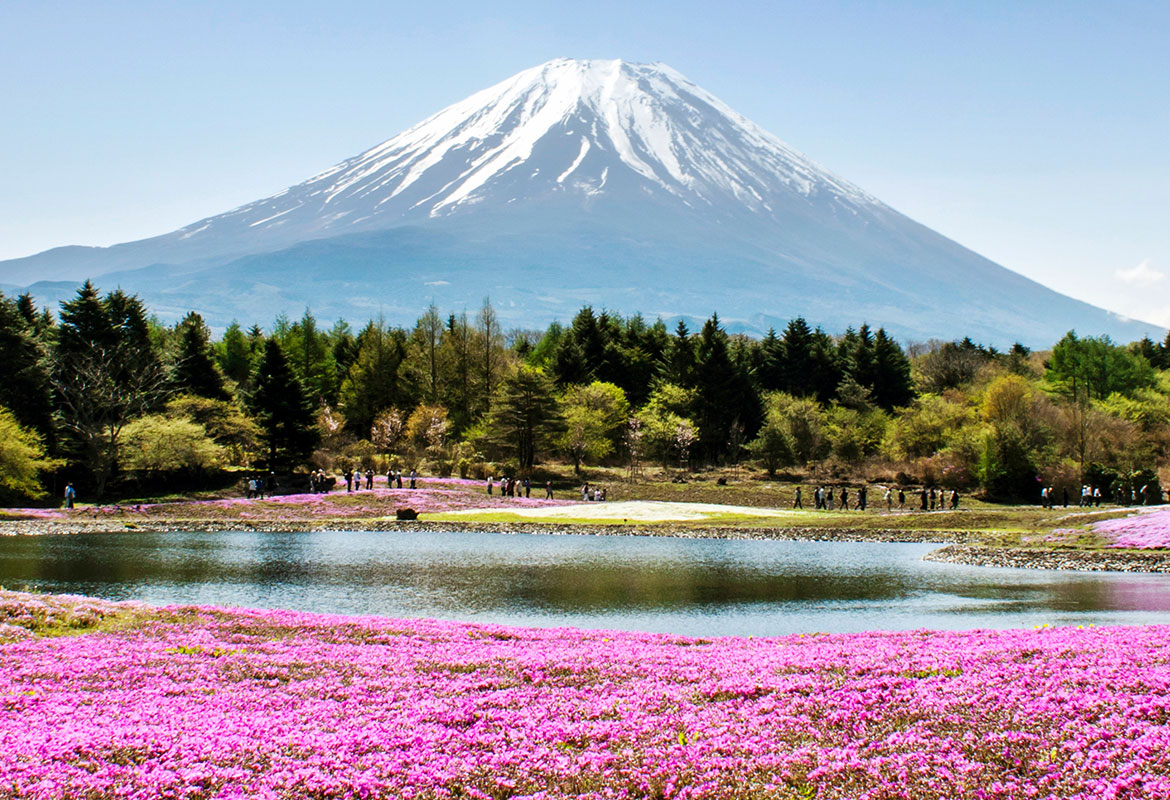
[517, 487]
[592, 493]
[321, 482]
[1091, 496]
[829, 498]
[256, 486]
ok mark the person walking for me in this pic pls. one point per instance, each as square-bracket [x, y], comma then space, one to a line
[796, 503]
[413, 478]
[954, 499]
[548, 495]
[862, 498]
[901, 499]
[491, 482]
[889, 498]
[844, 499]
[369, 478]
[70, 495]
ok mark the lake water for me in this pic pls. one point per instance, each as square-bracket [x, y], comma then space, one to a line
[702, 587]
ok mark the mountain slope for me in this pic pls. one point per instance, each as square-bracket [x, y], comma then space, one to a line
[624, 185]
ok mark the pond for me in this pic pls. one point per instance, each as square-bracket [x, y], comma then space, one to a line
[698, 587]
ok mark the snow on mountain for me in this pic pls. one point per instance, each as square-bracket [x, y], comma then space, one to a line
[581, 129]
[606, 182]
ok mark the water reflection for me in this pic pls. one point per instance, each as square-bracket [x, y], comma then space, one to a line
[700, 587]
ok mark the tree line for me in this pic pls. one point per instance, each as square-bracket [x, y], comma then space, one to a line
[101, 391]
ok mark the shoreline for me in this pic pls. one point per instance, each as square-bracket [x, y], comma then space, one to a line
[958, 547]
[547, 528]
[975, 555]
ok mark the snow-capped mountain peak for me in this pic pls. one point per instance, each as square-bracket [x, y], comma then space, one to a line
[585, 130]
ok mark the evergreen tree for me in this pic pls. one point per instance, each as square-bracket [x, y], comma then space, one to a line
[525, 416]
[234, 355]
[892, 384]
[1163, 355]
[680, 365]
[25, 388]
[825, 369]
[800, 366]
[424, 355]
[458, 356]
[583, 353]
[282, 409]
[342, 343]
[310, 356]
[491, 359]
[770, 372]
[85, 326]
[724, 398]
[545, 350]
[106, 372]
[194, 371]
[376, 380]
[638, 355]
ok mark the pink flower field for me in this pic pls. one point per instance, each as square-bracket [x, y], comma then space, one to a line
[1143, 531]
[215, 703]
[433, 495]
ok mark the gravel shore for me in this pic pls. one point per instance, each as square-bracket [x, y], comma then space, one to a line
[1032, 558]
[546, 527]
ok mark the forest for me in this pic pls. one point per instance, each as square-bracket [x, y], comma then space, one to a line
[101, 394]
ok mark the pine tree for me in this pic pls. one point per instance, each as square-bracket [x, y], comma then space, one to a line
[825, 368]
[234, 355]
[525, 416]
[720, 390]
[282, 409]
[106, 372]
[376, 381]
[680, 365]
[25, 388]
[194, 371]
[892, 384]
[801, 361]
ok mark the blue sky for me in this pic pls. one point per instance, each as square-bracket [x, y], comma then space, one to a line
[1036, 133]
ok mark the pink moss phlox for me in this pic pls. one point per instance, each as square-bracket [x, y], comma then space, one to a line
[212, 703]
[1149, 529]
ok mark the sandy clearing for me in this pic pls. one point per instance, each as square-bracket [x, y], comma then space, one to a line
[637, 510]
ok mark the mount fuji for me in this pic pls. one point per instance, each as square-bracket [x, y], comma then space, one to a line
[609, 183]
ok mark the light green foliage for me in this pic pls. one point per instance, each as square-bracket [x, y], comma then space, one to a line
[426, 430]
[161, 443]
[803, 421]
[22, 458]
[666, 427]
[224, 421]
[1094, 368]
[855, 434]
[927, 426]
[773, 446]
[234, 354]
[594, 419]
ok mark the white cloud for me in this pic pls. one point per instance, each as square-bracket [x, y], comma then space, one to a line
[1141, 275]
[437, 283]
